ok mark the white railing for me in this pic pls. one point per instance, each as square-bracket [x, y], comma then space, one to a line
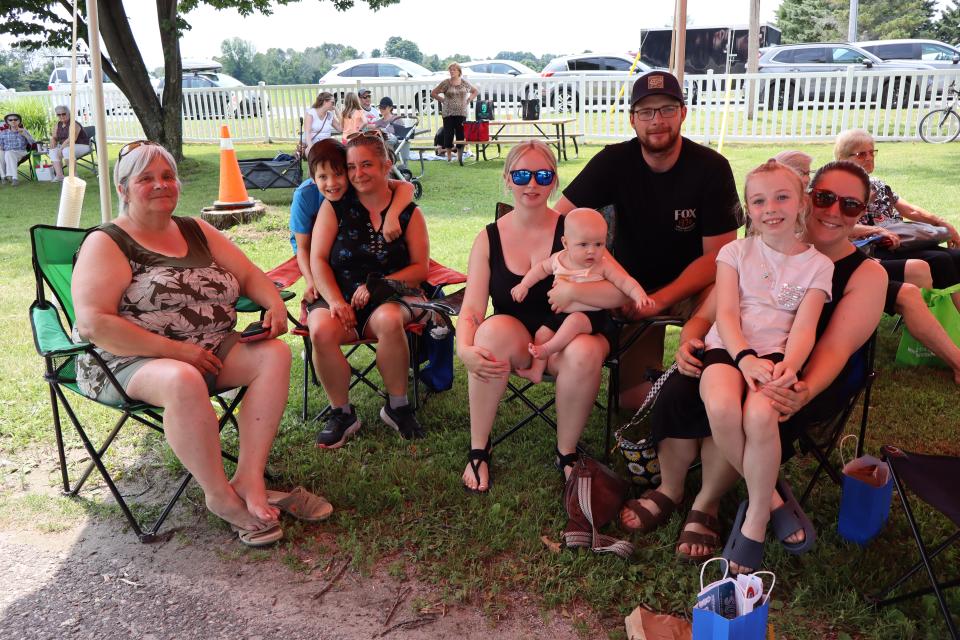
[796, 107]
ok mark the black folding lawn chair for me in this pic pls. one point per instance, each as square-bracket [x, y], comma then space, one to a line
[822, 436]
[933, 479]
[54, 249]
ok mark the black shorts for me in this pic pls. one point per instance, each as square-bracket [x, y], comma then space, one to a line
[722, 356]
[679, 412]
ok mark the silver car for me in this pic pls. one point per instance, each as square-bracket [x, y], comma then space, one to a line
[932, 52]
[833, 56]
[567, 98]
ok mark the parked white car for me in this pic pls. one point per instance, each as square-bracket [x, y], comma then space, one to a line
[236, 100]
[497, 68]
[369, 72]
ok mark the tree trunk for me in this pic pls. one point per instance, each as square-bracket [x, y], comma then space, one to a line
[161, 123]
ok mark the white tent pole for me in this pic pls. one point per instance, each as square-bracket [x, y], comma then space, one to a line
[103, 168]
[753, 55]
[681, 29]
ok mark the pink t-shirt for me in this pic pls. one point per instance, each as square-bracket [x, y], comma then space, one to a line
[772, 285]
[577, 274]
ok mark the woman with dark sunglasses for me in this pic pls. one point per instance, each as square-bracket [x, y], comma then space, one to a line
[885, 206]
[60, 141]
[490, 347]
[679, 420]
[156, 293]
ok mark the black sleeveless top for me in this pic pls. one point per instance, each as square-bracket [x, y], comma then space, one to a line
[358, 249]
[535, 308]
[842, 270]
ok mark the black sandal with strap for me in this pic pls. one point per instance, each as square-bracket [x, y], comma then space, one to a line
[565, 460]
[476, 457]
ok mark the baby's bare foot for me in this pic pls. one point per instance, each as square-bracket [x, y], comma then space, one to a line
[533, 374]
[538, 351]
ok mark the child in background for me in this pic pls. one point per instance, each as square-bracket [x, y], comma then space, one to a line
[584, 258]
[771, 288]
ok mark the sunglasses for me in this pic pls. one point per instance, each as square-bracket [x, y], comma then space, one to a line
[667, 112]
[521, 177]
[60, 115]
[862, 155]
[12, 120]
[369, 133]
[136, 144]
[850, 207]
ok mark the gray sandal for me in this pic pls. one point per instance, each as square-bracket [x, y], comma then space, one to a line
[790, 518]
[741, 549]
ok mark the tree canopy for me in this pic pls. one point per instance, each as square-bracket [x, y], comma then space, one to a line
[47, 23]
[826, 20]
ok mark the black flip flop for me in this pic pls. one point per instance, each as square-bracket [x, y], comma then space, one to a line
[476, 457]
[741, 549]
[790, 518]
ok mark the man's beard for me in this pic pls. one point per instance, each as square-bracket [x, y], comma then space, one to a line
[660, 146]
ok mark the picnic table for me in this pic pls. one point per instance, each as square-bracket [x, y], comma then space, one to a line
[552, 131]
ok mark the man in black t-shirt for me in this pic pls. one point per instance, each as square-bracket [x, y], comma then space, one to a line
[676, 204]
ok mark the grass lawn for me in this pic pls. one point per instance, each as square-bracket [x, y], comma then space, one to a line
[401, 505]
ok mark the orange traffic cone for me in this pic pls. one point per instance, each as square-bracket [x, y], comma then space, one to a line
[233, 194]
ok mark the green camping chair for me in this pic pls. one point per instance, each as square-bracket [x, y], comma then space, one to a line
[54, 249]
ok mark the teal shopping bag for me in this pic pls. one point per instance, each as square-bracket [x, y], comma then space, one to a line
[910, 352]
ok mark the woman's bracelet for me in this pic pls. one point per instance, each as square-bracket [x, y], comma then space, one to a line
[743, 354]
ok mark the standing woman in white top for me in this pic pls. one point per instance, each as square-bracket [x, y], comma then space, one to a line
[771, 288]
[321, 119]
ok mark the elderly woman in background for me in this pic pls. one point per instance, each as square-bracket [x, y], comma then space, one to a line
[60, 141]
[156, 293]
[490, 347]
[15, 142]
[320, 120]
[455, 95]
[799, 162]
[857, 145]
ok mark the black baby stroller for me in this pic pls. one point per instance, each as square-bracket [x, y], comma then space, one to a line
[404, 129]
[283, 171]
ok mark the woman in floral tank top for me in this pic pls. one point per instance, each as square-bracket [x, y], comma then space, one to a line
[156, 294]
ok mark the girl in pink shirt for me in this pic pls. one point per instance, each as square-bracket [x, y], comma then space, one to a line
[771, 288]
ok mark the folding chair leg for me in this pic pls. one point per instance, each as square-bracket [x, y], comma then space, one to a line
[925, 558]
[58, 432]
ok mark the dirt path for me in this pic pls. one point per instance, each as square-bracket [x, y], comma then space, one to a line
[95, 580]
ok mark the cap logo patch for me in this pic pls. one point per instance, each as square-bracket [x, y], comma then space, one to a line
[655, 82]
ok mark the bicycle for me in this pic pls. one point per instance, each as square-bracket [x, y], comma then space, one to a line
[942, 125]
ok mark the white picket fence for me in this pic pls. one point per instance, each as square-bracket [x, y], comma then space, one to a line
[794, 107]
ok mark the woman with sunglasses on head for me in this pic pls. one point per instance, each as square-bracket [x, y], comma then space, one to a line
[320, 120]
[60, 141]
[348, 250]
[490, 347]
[15, 143]
[156, 294]
[679, 420]
[885, 206]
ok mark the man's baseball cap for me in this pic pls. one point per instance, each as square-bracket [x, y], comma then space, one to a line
[363, 91]
[385, 101]
[656, 83]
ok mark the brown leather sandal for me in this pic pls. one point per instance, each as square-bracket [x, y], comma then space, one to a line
[649, 521]
[710, 540]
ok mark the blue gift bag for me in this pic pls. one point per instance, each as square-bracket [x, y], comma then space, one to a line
[709, 626]
[864, 506]
[718, 604]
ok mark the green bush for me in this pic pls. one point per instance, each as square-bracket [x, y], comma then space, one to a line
[35, 114]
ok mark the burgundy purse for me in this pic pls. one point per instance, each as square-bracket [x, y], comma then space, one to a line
[593, 497]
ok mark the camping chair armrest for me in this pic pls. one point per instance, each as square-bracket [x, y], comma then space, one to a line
[246, 305]
[618, 348]
[49, 336]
